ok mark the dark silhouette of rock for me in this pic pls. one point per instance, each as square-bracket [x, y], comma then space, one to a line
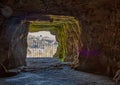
[5, 73]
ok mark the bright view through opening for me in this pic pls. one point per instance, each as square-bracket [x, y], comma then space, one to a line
[41, 44]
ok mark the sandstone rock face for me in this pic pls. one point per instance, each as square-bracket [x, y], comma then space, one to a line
[15, 36]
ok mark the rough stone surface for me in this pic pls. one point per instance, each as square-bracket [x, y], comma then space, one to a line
[15, 44]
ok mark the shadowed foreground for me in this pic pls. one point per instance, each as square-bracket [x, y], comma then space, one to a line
[50, 71]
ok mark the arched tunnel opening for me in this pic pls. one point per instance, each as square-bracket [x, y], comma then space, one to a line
[66, 37]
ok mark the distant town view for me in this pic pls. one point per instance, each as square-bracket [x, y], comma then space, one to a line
[41, 44]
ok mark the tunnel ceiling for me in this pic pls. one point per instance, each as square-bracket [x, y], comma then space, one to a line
[71, 7]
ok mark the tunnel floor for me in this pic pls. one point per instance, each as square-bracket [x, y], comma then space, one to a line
[51, 71]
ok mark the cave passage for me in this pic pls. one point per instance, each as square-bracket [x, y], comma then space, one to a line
[88, 36]
[51, 71]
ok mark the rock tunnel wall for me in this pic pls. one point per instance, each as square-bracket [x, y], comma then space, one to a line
[100, 37]
[100, 28]
[15, 39]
